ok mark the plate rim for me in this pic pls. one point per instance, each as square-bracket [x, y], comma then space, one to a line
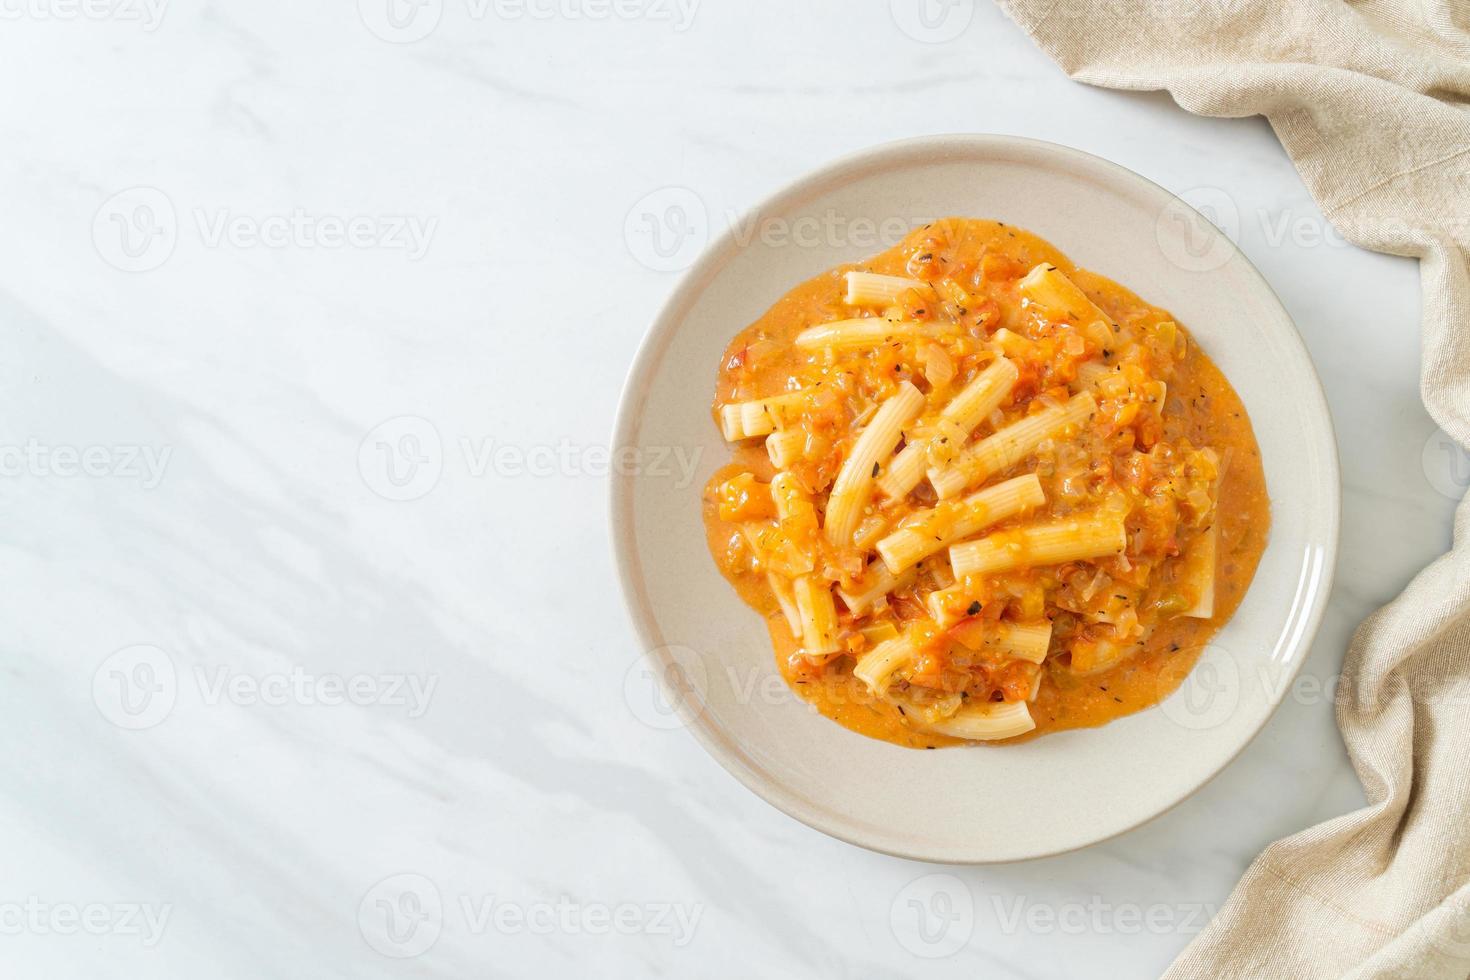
[632, 395]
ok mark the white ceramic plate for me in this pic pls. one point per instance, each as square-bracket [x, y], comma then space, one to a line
[986, 803]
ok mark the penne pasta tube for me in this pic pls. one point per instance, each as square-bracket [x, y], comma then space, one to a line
[877, 667]
[920, 711]
[785, 446]
[786, 599]
[965, 411]
[984, 722]
[818, 615]
[877, 582]
[863, 332]
[869, 531]
[1009, 446]
[1072, 539]
[1047, 287]
[1012, 344]
[933, 530]
[982, 395]
[872, 289]
[1200, 563]
[905, 470]
[1014, 641]
[854, 484]
[731, 426]
[1199, 573]
[760, 416]
[766, 415]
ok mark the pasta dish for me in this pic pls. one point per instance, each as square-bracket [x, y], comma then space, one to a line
[979, 493]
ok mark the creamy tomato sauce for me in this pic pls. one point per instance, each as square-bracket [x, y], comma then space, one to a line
[983, 317]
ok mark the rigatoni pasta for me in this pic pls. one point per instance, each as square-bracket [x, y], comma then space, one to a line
[872, 289]
[934, 529]
[957, 420]
[979, 493]
[1052, 543]
[854, 483]
[1010, 445]
[867, 332]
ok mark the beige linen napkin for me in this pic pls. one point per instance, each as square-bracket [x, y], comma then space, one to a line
[1372, 101]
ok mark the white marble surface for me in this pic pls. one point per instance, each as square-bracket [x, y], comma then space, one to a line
[242, 687]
